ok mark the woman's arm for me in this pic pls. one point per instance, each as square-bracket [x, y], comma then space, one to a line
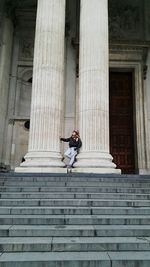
[65, 139]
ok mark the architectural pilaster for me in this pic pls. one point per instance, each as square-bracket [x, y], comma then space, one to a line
[93, 89]
[146, 144]
[6, 41]
[47, 92]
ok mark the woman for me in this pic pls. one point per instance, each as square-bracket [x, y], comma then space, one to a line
[74, 146]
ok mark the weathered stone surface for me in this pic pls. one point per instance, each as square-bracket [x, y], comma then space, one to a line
[47, 91]
[6, 41]
[74, 231]
[93, 111]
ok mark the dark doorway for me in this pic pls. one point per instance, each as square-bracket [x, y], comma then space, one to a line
[121, 121]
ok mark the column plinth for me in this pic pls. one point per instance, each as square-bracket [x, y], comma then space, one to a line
[93, 112]
[47, 91]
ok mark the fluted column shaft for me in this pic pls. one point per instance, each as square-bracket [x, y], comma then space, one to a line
[47, 91]
[93, 88]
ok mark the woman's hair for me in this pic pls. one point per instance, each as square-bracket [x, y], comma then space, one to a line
[77, 132]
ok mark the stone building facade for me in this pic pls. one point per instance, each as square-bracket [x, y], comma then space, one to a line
[68, 64]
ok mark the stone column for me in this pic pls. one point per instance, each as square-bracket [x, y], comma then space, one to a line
[6, 41]
[93, 89]
[47, 92]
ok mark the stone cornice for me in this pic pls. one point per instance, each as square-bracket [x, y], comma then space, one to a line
[129, 44]
[137, 50]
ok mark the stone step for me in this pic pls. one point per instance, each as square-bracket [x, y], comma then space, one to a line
[75, 219]
[79, 221]
[75, 202]
[78, 177]
[76, 259]
[64, 244]
[74, 230]
[75, 210]
[76, 189]
[69, 195]
[91, 183]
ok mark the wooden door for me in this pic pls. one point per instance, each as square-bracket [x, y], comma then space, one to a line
[121, 121]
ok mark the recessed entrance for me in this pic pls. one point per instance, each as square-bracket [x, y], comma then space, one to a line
[121, 120]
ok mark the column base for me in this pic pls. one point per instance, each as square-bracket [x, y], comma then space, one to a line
[42, 162]
[144, 171]
[40, 170]
[96, 170]
[93, 162]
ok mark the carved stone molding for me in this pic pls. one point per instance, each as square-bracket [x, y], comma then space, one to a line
[26, 49]
[145, 68]
[11, 121]
[129, 51]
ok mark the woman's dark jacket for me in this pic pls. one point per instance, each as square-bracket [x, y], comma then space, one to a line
[73, 142]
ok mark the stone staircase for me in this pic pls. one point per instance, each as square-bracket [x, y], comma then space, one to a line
[74, 220]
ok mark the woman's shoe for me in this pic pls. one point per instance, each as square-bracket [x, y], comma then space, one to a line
[65, 166]
[70, 166]
[62, 159]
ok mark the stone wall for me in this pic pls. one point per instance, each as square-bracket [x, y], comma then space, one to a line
[126, 19]
[16, 141]
[70, 61]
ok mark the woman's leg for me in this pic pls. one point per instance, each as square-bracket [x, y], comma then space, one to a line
[68, 153]
[73, 154]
